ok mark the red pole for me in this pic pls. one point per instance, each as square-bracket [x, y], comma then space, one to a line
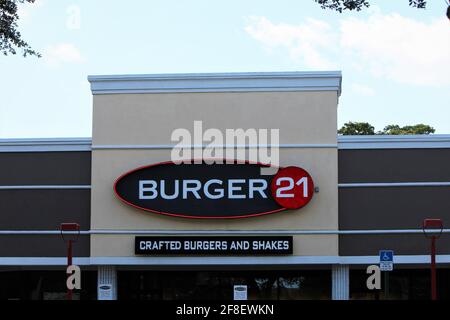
[69, 263]
[433, 268]
[433, 226]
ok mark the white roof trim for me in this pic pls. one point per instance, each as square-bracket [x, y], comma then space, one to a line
[217, 82]
[263, 260]
[395, 142]
[42, 261]
[344, 142]
[209, 260]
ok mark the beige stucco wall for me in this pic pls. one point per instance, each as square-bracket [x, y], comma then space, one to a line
[303, 117]
[149, 119]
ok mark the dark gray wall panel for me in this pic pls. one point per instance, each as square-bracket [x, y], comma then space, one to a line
[392, 208]
[394, 165]
[45, 168]
[44, 209]
[405, 244]
[41, 246]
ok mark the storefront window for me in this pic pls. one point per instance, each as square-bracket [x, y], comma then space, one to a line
[305, 287]
[218, 285]
[403, 284]
[44, 285]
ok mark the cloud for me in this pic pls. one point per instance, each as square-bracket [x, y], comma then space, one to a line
[362, 90]
[304, 42]
[399, 48]
[389, 46]
[60, 53]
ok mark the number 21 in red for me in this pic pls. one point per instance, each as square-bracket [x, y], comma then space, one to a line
[292, 187]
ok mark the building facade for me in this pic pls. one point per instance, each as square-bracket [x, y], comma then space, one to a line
[370, 193]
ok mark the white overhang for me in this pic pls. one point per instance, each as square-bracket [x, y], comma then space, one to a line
[217, 82]
[433, 141]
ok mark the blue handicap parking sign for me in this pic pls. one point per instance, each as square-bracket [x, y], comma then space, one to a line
[386, 256]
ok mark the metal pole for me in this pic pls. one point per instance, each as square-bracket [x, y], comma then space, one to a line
[69, 263]
[433, 268]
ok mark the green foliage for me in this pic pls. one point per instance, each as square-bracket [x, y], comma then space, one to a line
[364, 128]
[357, 128]
[10, 38]
[340, 5]
[416, 129]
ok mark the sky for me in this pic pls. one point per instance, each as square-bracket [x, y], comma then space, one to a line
[395, 60]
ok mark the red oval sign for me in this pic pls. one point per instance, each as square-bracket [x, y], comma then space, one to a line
[200, 191]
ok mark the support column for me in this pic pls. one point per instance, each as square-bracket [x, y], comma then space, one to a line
[340, 282]
[107, 283]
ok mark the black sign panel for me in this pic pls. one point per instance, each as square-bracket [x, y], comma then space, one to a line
[199, 190]
[279, 245]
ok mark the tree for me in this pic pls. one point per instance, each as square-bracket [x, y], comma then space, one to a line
[10, 38]
[357, 128]
[340, 5]
[395, 129]
[364, 128]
